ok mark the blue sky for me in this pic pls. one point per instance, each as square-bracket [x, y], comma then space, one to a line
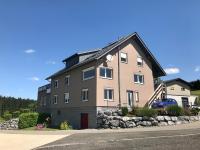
[35, 35]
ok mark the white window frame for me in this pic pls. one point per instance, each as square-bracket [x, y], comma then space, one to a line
[139, 57]
[55, 102]
[66, 100]
[84, 90]
[88, 69]
[123, 57]
[136, 96]
[107, 94]
[67, 77]
[138, 81]
[54, 84]
[105, 77]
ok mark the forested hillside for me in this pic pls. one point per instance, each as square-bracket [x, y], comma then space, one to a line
[13, 104]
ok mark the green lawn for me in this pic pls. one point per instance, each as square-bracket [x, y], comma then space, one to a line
[196, 93]
[44, 129]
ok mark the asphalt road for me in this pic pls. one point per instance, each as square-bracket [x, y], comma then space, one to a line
[154, 140]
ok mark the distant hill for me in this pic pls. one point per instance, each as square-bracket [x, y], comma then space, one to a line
[195, 85]
[13, 104]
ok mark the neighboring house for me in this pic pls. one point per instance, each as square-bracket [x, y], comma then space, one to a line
[120, 74]
[179, 90]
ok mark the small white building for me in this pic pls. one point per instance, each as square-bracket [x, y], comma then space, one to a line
[179, 90]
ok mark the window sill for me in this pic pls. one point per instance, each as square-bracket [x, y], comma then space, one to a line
[106, 78]
[88, 78]
[84, 100]
[139, 83]
[109, 100]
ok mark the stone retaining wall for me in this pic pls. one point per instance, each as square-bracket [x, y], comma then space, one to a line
[113, 120]
[9, 125]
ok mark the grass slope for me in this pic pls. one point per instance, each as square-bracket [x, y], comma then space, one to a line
[197, 93]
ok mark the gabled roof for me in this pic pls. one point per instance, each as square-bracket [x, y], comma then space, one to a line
[177, 80]
[156, 67]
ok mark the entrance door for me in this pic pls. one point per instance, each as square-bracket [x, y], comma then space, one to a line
[84, 120]
[185, 102]
[130, 98]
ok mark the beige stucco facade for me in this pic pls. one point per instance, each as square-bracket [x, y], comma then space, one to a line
[126, 77]
[122, 81]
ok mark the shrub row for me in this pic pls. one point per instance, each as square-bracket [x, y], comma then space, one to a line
[27, 120]
[171, 111]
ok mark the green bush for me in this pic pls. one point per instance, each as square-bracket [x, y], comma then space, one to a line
[65, 126]
[124, 111]
[187, 112]
[15, 114]
[174, 110]
[44, 118]
[1, 120]
[25, 110]
[7, 115]
[194, 111]
[141, 112]
[161, 112]
[27, 120]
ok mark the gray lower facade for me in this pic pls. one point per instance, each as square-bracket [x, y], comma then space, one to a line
[75, 116]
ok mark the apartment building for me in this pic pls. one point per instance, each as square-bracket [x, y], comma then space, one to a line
[119, 74]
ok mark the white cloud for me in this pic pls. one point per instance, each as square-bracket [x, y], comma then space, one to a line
[34, 78]
[29, 51]
[197, 69]
[50, 62]
[173, 70]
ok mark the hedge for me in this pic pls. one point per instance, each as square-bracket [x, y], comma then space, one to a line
[141, 112]
[27, 120]
[175, 110]
[7, 115]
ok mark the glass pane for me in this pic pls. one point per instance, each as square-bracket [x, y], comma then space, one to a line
[110, 94]
[102, 72]
[105, 94]
[123, 59]
[141, 79]
[109, 73]
[135, 78]
[89, 74]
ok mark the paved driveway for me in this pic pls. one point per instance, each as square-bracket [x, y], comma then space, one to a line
[25, 141]
[151, 140]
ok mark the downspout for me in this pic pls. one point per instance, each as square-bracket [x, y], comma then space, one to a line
[119, 84]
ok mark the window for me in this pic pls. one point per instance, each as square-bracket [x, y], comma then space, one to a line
[88, 73]
[124, 58]
[139, 61]
[55, 84]
[182, 89]
[172, 88]
[55, 99]
[137, 96]
[44, 101]
[106, 72]
[84, 94]
[108, 94]
[139, 78]
[66, 97]
[67, 80]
